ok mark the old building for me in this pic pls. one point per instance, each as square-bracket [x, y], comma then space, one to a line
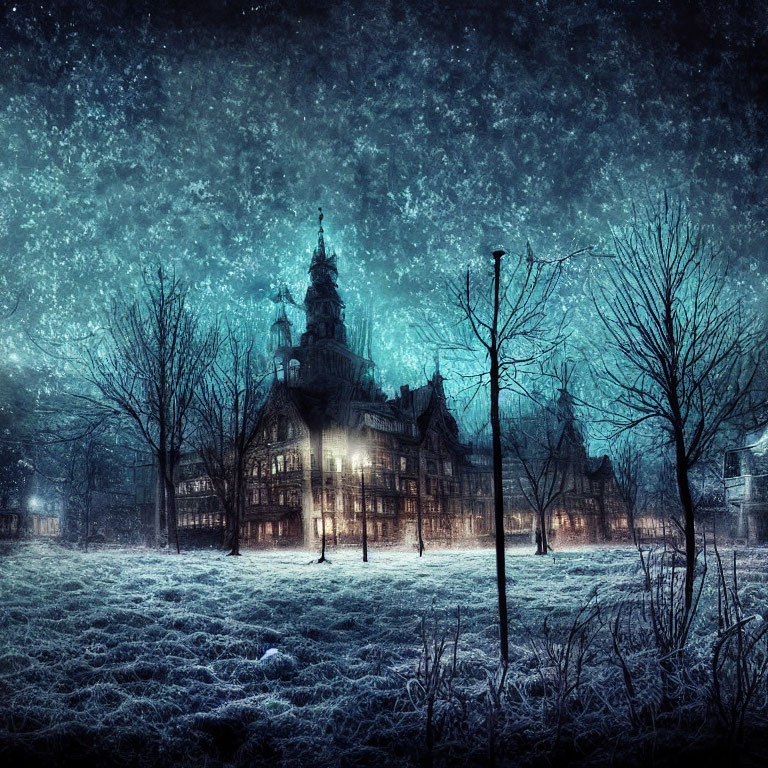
[746, 486]
[327, 430]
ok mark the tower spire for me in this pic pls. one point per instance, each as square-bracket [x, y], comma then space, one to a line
[320, 238]
[280, 332]
[325, 309]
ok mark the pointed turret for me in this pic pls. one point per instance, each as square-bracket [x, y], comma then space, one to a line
[566, 417]
[325, 309]
[280, 332]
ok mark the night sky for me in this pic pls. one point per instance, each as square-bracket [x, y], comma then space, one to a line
[205, 136]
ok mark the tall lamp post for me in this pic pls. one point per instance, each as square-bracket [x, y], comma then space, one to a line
[362, 461]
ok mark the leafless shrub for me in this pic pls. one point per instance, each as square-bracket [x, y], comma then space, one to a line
[739, 660]
[671, 616]
[433, 691]
[632, 651]
[561, 657]
[494, 705]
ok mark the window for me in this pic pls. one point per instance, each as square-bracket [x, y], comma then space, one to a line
[403, 464]
[447, 467]
[732, 468]
[294, 366]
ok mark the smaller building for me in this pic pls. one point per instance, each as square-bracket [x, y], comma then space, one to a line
[35, 510]
[745, 473]
[586, 506]
[200, 514]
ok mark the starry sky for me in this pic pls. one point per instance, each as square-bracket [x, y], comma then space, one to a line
[205, 135]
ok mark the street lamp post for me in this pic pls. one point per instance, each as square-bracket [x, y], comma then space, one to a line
[362, 462]
[365, 520]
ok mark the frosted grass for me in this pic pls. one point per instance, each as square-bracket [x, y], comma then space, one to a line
[141, 658]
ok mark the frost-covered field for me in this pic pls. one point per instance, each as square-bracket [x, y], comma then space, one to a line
[141, 658]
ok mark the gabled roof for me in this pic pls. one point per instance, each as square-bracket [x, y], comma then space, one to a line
[599, 467]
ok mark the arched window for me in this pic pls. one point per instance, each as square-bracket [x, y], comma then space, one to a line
[294, 366]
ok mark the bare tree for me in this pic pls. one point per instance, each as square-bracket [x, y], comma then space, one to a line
[504, 322]
[82, 469]
[685, 352]
[229, 398]
[148, 369]
[539, 446]
[627, 463]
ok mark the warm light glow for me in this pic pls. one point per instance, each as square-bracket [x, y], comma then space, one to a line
[360, 460]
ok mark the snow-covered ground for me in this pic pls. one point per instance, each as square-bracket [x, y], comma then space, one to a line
[141, 658]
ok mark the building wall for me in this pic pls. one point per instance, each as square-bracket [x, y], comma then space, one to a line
[746, 488]
[589, 509]
[324, 408]
[291, 489]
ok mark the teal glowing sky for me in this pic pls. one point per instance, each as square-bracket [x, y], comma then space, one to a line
[207, 139]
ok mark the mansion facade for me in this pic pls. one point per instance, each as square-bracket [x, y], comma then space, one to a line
[745, 475]
[326, 430]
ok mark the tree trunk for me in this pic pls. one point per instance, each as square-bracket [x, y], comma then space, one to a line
[161, 515]
[542, 542]
[498, 490]
[170, 493]
[321, 559]
[686, 502]
[235, 519]
[631, 523]
[419, 525]
[87, 518]
[365, 519]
